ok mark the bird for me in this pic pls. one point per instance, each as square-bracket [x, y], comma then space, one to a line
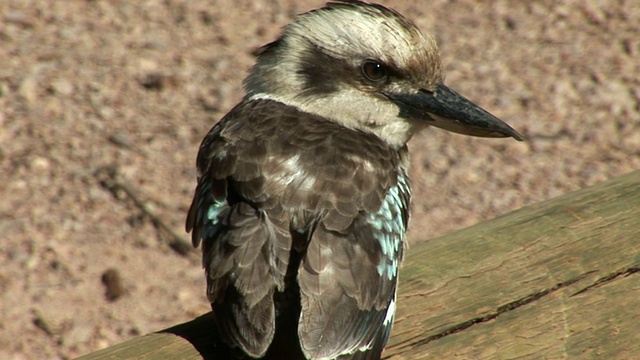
[303, 197]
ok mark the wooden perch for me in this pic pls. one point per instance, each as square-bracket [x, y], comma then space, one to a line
[559, 279]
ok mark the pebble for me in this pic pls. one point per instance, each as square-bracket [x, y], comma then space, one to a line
[62, 86]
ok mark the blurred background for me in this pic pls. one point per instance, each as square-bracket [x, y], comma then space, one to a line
[103, 104]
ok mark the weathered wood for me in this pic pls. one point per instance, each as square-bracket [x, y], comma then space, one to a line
[552, 280]
[559, 279]
[195, 339]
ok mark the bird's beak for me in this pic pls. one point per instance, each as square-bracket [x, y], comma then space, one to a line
[447, 109]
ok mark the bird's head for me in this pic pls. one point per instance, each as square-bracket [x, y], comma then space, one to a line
[368, 68]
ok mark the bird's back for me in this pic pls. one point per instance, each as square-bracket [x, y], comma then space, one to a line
[302, 222]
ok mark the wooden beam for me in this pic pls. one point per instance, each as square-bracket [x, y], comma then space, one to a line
[554, 280]
[559, 279]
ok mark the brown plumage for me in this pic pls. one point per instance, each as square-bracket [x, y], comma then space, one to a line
[275, 204]
[303, 198]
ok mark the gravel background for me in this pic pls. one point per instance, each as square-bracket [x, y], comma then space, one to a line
[104, 103]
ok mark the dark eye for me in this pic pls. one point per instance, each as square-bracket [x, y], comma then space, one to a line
[374, 71]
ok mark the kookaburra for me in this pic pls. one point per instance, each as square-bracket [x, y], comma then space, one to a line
[302, 200]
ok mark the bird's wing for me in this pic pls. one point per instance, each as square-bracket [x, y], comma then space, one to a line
[245, 251]
[348, 281]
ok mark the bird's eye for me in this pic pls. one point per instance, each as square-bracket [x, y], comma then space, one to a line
[374, 71]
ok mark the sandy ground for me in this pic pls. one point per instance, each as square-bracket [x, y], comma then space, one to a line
[104, 103]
